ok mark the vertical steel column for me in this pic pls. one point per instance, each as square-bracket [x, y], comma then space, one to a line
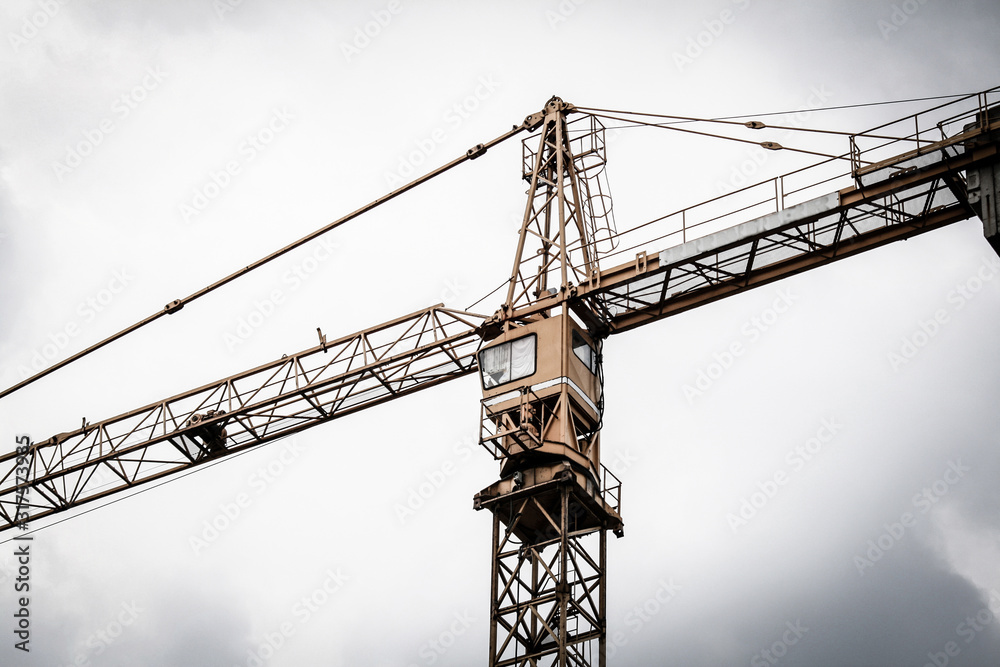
[494, 564]
[603, 601]
[536, 585]
[563, 585]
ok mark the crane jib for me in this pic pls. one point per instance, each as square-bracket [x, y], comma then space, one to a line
[273, 401]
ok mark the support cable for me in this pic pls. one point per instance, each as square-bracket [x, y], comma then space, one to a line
[833, 108]
[770, 145]
[178, 304]
[753, 125]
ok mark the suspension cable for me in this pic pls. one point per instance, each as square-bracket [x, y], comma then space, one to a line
[754, 125]
[770, 145]
[783, 113]
[178, 304]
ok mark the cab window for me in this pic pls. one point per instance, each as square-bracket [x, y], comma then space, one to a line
[508, 361]
[584, 352]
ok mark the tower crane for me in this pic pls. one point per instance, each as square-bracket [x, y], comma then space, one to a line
[576, 280]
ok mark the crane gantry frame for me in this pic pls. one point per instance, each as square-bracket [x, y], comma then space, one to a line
[943, 166]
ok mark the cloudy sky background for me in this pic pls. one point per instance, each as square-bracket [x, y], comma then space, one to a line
[199, 77]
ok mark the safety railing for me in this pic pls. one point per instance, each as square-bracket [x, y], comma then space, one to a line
[611, 489]
[897, 145]
[503, 429]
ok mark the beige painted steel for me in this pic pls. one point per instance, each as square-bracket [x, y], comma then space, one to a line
[545, 429]
[570, 407]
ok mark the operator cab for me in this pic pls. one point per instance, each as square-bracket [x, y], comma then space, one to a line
[542, 391]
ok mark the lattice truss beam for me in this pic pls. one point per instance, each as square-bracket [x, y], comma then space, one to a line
[894, 202]
[548, 585]
[283, 397]
[567, 207]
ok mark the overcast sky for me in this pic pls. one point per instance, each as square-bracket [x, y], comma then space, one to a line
[119, 117]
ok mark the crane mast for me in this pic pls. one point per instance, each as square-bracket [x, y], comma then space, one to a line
[542, 409]
[539, 356]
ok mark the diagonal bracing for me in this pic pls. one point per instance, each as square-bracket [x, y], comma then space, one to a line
[272, 401]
